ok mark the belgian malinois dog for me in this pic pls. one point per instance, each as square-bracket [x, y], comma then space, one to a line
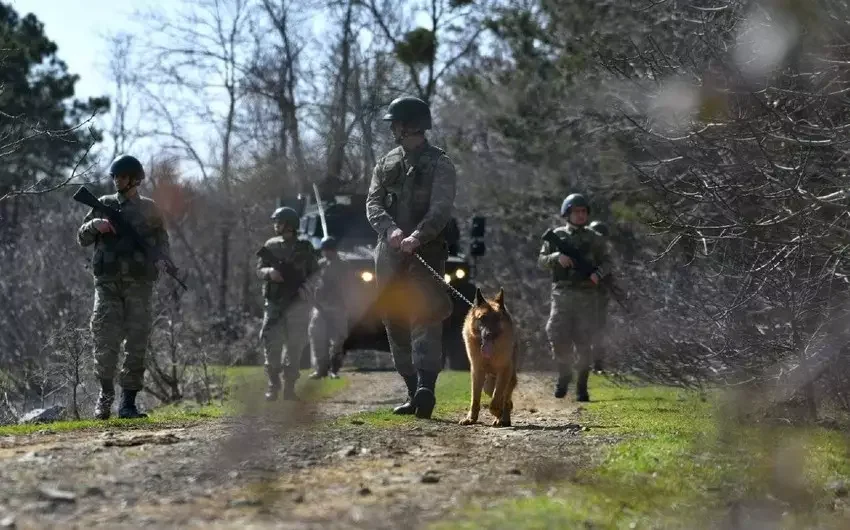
[491, 346]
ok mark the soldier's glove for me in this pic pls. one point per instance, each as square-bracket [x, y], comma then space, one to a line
[103, 226]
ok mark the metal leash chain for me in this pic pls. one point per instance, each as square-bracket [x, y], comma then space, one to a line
[443, 281]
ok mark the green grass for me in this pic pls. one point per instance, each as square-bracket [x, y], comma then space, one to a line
[452, 399]
[240, 382]
[677, 464]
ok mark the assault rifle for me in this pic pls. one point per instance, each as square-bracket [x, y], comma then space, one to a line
[121, 226]
[583, 267]
[292, 277]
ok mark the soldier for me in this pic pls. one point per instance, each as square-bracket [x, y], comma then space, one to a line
[329, 319]
[123, 286]
[287, 311]
[575, 297]
[599, 338]
[410, 202]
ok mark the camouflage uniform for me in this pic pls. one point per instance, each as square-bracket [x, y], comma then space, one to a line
[600, 338]
[413, 191]
[286, 314]
[329, 319]
[123, 282]
[575, 302]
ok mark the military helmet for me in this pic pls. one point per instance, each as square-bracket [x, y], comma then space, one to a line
[409, 110]
[599, 226]
[286, 215]
[328, 243]
[127, 165]
[574, 199]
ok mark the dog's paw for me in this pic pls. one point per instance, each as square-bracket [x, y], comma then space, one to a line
[467, 421]
[501, 422]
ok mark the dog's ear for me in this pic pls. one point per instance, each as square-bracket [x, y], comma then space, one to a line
[500, 298]
[479, 298]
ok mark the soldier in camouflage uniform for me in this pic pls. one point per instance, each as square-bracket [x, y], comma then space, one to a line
[329, 319]
[410, 201]
[575, 298]
[599, 345]
[287, 311]
[123, 287]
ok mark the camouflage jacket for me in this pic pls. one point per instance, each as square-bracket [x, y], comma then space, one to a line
[115, 255]
[295, 252]
[593, 248]
[333, 283]
[414, 191]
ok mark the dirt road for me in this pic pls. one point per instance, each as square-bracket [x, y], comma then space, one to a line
[280, 470]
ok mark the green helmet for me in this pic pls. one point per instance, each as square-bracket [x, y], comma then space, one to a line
[410, 111]
[600, 227]
[286, 215]
[574, 199]
[127, 165]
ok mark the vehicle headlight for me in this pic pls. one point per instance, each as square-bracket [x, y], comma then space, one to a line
[366, 276]
[447, 278]
[460, 273]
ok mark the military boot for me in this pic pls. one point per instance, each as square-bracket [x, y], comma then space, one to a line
[319, 373]
[425, 397]
[289, 390]
[273, 388]
[408, 407]
[562, 385]
[103, 409]
[128, 406]
[581, 386]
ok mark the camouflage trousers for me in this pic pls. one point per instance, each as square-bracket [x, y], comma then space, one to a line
[328, 330]
[572, 327]
[284, 337]
[413, 305]
[122, 313]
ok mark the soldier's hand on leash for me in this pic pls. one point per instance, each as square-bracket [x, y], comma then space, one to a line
[395, 238]
[103, 226]
[409, 244]
[565, 261]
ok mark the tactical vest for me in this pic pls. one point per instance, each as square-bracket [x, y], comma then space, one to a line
[570, 276]
[116, 255]
[422, 181]
[287, 291]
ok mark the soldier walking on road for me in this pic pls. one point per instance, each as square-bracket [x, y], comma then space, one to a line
[287, 310]
[124, 279]
[329, 319]
[575, 297]
[410, 201]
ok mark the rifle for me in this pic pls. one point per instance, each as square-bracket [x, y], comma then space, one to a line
[121, 226]
[583, 267]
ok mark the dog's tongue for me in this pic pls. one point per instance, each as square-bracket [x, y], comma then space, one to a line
[487, 348]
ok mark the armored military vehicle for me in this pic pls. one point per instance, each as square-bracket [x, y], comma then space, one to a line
[345, 215]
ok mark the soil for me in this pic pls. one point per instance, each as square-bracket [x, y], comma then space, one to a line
[274, 467]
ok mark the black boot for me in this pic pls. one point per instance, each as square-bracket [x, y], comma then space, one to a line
[128, 406]
[425, 397]
[562, 385]
[273, 387]
[581, 386]
[408, 407]
[103, 409]
[289, 389]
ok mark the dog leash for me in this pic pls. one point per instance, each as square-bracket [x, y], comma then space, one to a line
[443, 281]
